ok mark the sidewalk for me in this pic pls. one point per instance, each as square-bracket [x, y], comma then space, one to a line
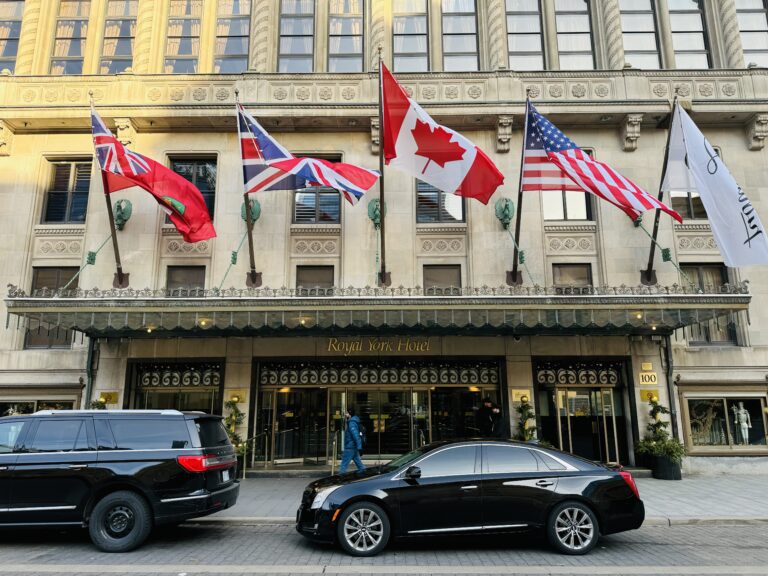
[727, 499]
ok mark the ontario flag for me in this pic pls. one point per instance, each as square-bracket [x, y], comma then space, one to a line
[178, 197]
[269, 166]
[552, 161]
[417, 145]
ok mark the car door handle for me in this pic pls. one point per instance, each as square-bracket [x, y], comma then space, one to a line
[471, 487]
[3, 467]
[77, 466]
[545, 483]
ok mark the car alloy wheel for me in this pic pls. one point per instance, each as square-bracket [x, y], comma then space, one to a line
[363, 529]
[574, 528]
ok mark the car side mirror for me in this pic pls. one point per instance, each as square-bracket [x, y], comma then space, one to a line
[413, 473]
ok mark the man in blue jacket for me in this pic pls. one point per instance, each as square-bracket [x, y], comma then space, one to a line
[353, 443]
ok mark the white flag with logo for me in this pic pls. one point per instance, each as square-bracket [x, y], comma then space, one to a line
[694, 166]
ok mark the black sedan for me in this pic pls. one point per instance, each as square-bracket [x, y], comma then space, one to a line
[472, 486]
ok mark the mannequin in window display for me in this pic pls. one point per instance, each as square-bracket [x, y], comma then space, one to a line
[742, 422]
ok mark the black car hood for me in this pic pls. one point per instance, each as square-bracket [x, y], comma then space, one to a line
[348, 478]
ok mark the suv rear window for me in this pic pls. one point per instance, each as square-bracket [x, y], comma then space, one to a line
[150, 433]
[212, 432]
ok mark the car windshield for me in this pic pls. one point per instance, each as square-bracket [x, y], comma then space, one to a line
[404, 459]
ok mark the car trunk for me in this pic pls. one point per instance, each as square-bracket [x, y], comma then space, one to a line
[215, 442]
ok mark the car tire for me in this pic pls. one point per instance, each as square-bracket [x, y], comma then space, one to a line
[120, 522]
[363, 529]
[572, 528]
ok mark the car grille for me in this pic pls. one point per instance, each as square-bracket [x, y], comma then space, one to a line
[307, 497]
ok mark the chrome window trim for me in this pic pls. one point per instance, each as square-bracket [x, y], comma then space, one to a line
[467, 528]
[125, 451]
[38, 509]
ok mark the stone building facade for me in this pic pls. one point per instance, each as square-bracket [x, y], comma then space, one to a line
[580, 339]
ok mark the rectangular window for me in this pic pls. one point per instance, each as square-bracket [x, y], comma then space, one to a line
[689, 37]
[727, 422]
[119, 35]
[709, 278]
[638, 25]
[566, 205]
[66, 201]
[574, 35]
[181, 280]
[11, 12]
[150, 433]
[579, 275]
[442, 280]
[202, 173]
[753, 24]
[460, 36]
[9, 434]
[297, 36]
[50, 278]
[524, 38]
[183, 39]
[314, 280]
[317, 205]
[433, 205]
[69, 44]
[59, 436]
[233, 30]
[345, 36]
[410, 35]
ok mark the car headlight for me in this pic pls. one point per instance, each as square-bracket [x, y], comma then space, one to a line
[321, 497]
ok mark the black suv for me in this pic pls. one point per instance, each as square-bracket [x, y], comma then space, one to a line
[117, 472]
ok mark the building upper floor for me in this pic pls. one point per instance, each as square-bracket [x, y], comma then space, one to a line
[73, 37]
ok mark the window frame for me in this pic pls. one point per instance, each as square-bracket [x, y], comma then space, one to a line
[730, 448]
[185, 290]
[441, 195]
[542, 44]
[104, 38]
[477, 468]
[591, 282]
[591, 34]
[753, 11]
[704, 33]
[316, 191]
[427, 37]
[53, 342]
[441, 290]
[657, 51]
[8, 62]
[173, 158]
[486, 459]
[223, 57]
[280, 36]
[73, 162]
[56, 37]
[315, 290]
[703, 327]
[476, 34]
[194, 58]
[347, 55]
[587, 201]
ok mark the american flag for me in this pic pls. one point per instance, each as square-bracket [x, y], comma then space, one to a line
[113, 156]
[552, 161]
[269, 166]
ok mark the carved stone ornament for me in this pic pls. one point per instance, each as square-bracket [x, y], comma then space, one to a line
[222, 94]
[630, 131]
[154, 94]
[325, 93]
[503, 133]
[660, 90]
[6, 139]
[683, 90]
[375, 135]
[602, 90]
[280, 93]
[303, 93]
[475, 92]
[533, 91]
[706, 90]
[556, 91]
[125, 131]
[452, 92]
[579, 90]
[348, 93]
[429, 93]
[199, 94]
[757, 130]
[729, 90]
[177, 94]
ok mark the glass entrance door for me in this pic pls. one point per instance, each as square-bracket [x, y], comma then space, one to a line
[300, 426]
[587, 423]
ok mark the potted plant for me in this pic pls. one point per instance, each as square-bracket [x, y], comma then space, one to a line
[525, 432]
[662, 453]
[235, 418]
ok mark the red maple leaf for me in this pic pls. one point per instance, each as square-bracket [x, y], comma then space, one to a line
[436, 146]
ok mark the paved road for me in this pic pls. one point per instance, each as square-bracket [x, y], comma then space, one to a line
[199, 549]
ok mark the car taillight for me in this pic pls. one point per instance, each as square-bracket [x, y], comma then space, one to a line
[204, 463]
[630, 482]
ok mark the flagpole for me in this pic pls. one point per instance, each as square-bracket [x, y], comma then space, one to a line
[253, 278]
[384, 276]
[514, 277]
[648, 276]
[121, 278]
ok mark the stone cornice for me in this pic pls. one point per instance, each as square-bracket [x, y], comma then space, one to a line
[702, 227]
[586, 227]
[316, 229]
[59, 230]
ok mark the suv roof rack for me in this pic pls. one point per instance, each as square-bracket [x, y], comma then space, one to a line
[96, 411]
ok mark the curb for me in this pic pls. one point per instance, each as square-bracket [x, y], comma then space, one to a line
[649, 521]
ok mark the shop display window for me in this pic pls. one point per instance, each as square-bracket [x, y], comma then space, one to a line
[17, 407]
[727, 422]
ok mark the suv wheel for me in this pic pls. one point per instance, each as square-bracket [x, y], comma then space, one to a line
[572, 528]
[363, 529]
[120, 522]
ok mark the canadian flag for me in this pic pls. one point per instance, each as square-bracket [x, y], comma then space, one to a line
[416, 144]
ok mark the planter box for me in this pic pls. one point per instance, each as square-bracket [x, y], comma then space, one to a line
[665, 469]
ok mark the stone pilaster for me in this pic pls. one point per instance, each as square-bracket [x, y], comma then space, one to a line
[729, 25]
[143, 42]
[498, 55]
[262, 35]
[380, 15]
[28, 39]
[550, 35]
[613, 39]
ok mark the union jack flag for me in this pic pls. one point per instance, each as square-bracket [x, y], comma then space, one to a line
[552, 161]
[269, 166]
[113, 156]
